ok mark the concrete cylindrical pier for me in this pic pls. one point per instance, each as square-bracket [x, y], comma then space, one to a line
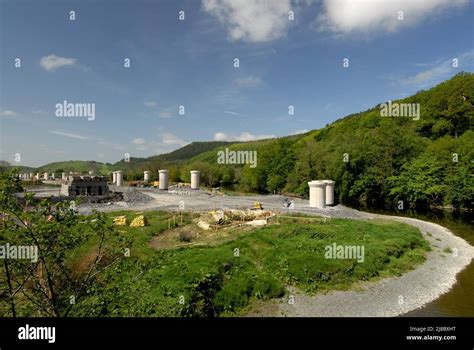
[32, 176]
[114, 177]
[53, 176]
[46, 176]
[63, 176]
[119, 178]
[163, 178]
[317, 194]
[146, 176]
[329, 192]
[37, 176]
[195, 179]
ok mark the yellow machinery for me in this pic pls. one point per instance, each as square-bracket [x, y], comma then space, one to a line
[257, 205]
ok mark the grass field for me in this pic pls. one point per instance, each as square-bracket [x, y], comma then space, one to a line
[229, 271]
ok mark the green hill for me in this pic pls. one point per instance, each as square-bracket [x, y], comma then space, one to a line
[374, 159]
[190, 151]
[80, 166]
[134, 168]
[21, 168]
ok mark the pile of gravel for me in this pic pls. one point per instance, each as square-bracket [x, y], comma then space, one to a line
[134, 197]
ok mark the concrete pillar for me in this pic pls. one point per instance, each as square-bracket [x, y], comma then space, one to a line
[317, 194]
[146, 176]
[45, 176]
[37, 176]
[119, 178]
[163, 177]
[31, 176]
[195, 179]
[329, 192]
[52, 176]
[114, 177]
[63, 176]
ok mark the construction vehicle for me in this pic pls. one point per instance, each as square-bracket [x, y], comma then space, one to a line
[257, 206]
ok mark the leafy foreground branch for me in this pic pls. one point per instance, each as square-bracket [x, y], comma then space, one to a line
[37, 279]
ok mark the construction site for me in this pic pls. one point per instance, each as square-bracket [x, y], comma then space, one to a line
[160, 194]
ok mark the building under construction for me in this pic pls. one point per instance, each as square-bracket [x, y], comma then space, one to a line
[78, 185]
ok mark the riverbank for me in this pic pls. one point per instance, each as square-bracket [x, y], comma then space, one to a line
[388, 297]
[392, 296]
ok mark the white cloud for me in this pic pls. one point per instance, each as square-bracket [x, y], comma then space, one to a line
[171, 139]
[52, 62]
[297, 132]
[232, 113]
[164, 143]
[165, 114]
[139, 141]
[73, 136]
[249, 81]
[439, 70]
[99, 141]
[7, 113]
[244, 136]
[150, 104]
[253, 21]
[426, 76]
[141, 144]
[374, 16]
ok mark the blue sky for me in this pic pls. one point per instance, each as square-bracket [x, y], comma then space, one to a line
[190, 63]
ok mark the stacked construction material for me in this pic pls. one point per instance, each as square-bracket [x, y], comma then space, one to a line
[139, 221]
[120, 220]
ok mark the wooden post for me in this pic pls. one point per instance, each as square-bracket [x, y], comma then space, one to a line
[169, 223]
[174, 220]
[181, 213]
